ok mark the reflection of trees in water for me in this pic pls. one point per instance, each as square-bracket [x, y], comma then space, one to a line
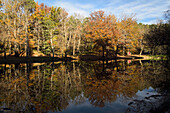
[157, 75]
[105, 85]
[40, 88]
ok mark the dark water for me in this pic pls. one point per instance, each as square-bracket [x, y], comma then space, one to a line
[86, 87]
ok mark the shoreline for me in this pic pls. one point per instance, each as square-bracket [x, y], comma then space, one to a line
[15, 60]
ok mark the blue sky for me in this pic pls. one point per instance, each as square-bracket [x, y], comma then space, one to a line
[147, 11]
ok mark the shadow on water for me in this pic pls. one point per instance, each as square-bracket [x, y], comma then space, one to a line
[94, 86]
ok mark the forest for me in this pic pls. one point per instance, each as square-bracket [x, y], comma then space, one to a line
[30, 29]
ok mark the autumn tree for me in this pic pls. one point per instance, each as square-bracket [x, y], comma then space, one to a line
[128, 27]
[29, 28]
[29, 6]
[36, 23]
[63, 31]
[75, 33]
[100, 29]
[13, 24]
[2, 30]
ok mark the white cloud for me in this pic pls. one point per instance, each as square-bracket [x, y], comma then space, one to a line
[144, 9]
[75, 8]
[86, 6]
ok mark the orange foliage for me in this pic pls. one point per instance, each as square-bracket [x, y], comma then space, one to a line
[101, 29]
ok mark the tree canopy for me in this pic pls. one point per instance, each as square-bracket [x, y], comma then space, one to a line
[32, 29]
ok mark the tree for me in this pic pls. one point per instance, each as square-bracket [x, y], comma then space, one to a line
[167, 16]
[36, 23]
[129, 32]
[28, 6]
[52, 22]
[13, 24]
[100, 29]
[158, 38]
[63, 32]
[75, 32]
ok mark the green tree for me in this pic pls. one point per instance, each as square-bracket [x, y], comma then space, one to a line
[29, 6]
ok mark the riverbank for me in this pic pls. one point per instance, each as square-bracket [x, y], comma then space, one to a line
[15, 60]
[129, 57]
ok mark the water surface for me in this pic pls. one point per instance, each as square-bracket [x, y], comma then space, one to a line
[85, 87]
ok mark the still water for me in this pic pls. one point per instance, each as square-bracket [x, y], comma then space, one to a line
[85, 87]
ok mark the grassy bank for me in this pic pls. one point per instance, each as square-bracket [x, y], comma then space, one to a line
[158, 57]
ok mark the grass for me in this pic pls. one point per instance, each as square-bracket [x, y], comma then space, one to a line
[158, 57]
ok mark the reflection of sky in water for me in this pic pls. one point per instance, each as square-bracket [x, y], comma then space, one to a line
[86, 107]
[146, 92]
[119, 106]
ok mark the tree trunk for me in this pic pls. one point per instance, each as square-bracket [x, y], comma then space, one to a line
[5, 52]
[79, 42]
[15, 36]
[116, 50]
[65, 40]
[52, 42]
[153, 51]
[141, 51]
[38, 48]
[103, 69]
[43, 39]
[66, 53]
[16, 51]
[4, 49]
[70, 37]
[26, 34]
[9, 43]
[74, 45]
[9, 39]
[103, 50]
[123, 50]
[52, 48]
[107, 52]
